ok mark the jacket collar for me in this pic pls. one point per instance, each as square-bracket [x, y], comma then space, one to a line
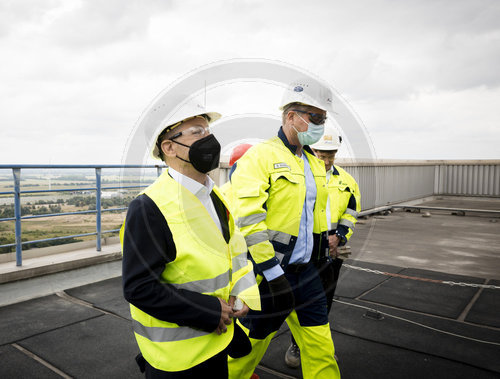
[292, 148]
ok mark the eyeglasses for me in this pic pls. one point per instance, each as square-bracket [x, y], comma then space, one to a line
[196, 130]
[330, 155]
[315, 118]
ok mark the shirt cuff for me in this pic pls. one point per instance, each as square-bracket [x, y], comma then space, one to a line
[273, 272]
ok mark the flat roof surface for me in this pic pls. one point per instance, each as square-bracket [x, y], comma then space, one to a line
[420, 297]
[436, 240]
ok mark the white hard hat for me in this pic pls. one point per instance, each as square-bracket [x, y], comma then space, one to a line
[188, 111]
[308, 92]
[330, 140]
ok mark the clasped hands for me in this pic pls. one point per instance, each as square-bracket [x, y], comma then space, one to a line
[228, 312]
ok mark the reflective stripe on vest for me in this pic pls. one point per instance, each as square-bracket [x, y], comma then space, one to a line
[247, 281]
[205, 285]
[157, 334]
[239, 262]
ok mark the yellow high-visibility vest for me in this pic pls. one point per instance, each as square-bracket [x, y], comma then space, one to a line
[204, 263]
[227, 191]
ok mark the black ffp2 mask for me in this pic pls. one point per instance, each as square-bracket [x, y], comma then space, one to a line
[204, 154]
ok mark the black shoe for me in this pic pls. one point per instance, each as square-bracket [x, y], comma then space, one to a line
[292, 356]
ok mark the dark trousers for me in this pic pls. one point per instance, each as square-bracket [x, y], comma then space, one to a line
[310, 304]
[329, 271]
[215, 367]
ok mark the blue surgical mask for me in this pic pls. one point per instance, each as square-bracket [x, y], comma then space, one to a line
[311, 135]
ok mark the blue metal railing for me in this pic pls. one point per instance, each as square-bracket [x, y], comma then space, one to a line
[16, 172]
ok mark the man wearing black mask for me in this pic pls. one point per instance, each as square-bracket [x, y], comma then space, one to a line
[185, 267]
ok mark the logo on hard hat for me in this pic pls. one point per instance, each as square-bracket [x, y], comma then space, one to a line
[298, 89]
[328, 138]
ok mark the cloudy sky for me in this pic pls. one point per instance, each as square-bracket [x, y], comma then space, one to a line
[76, 75]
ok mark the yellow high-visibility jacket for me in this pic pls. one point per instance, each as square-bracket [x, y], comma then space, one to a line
[204, 263]
[345, 203]
[269, 191]
[227, 191]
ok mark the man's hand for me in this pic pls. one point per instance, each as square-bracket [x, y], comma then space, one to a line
[238, 312]
[225, 317]
[333, 243]
[282, 293]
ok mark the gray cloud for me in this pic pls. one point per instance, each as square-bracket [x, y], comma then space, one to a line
[96, 23]
[469, 61]
[15, 13]
[419, 71]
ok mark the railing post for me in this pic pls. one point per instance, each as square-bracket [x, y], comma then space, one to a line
[98, 206]
[158, 170]
[16, 172]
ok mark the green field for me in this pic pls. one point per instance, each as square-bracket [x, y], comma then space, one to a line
[77, 199]
[64, 225]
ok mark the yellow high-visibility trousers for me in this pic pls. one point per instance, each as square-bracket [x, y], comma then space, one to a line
[243, 368]
[316, 352]
[308, 322]
[316, 349]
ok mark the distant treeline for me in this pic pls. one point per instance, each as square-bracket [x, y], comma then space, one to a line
[52, 184]
[4, 240]
[41, 207]
[82, 201]
[75, 184]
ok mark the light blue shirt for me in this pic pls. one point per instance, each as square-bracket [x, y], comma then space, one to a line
[302, 251]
